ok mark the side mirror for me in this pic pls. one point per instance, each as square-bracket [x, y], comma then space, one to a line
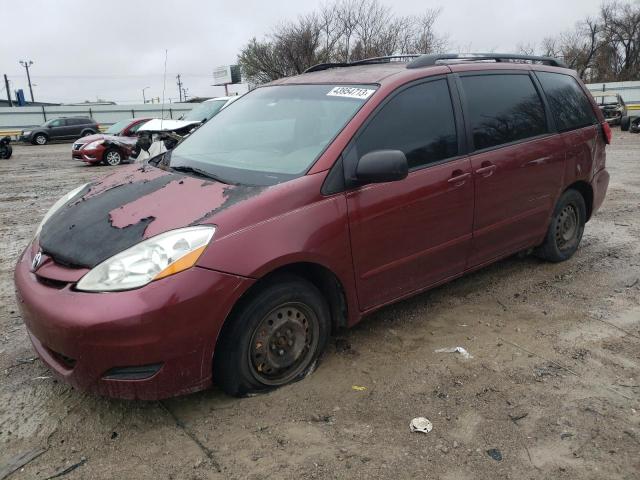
[382, 166]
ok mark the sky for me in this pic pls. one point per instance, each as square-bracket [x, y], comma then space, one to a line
[85, 50]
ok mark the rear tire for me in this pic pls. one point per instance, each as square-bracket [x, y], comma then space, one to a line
[625, 123]
[274, 337]
[112, 157]
[565, 229]
[40, 139]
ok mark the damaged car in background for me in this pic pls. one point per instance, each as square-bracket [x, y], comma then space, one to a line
[612, 106]
[112, 147]
[312, 202]
[138, 140]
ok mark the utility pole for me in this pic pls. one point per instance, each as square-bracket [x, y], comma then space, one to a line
[184, 93]
[144, 100]
[26, 64]
[179, 82]
[6, 84]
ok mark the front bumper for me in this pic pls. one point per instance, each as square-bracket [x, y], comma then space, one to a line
[88, 156]
[25, 138]
[173, 323]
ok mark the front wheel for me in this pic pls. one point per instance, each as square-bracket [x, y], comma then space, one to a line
[6, 152]
[274, 338]
[565, 229]
[112, 157]
[40, 139]
[625, 123]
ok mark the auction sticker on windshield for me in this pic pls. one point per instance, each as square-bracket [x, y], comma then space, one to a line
[351, 92]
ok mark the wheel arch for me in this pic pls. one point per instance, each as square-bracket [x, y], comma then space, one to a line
[326, 281]
[586, 190]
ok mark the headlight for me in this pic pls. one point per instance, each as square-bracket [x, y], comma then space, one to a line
[58, 205]
[28, 132]
[152, 259]
[92, 145]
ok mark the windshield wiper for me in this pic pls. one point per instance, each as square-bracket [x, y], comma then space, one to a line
[199, 173]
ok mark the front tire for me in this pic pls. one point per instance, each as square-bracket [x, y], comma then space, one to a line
[40, 139]
[274, 338]
[565, 229]
[625, 123]
[112, 157]
[7, 153]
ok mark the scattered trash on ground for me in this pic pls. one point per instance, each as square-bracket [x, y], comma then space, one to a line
[461, 350]
[70, 469]
[518, 416]
[18, 461]
[495, 454]
[358, 388]
[421, 424]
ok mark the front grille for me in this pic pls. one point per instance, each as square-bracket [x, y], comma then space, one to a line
[65, 361]
[138, 372]
[49, 282]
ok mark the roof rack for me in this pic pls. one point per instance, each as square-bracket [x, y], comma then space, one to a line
[366, 61]
[433, 58]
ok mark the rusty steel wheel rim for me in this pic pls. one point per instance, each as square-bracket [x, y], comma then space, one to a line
[283, 344]
[566, 226]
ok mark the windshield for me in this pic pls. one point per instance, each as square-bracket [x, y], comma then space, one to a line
[272, 134]
[117, 127]
[204, 111]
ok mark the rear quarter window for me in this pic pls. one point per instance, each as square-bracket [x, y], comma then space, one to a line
[569, 104]
[502, 108]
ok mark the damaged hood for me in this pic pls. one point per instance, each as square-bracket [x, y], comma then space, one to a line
[157, 125]
[133, 204]
[109, 138]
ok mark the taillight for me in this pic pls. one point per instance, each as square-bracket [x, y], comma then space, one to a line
[608, 134]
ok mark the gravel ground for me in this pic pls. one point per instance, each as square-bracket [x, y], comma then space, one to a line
[553, 385]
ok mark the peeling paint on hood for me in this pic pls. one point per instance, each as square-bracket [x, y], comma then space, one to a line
[129, 206]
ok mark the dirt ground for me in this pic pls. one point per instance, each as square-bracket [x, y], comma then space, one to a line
[553, 385]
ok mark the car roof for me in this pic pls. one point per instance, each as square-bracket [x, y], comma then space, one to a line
[391, 69]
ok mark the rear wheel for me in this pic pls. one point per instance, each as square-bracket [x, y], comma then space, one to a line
[274, 338]
[40, 139]
[112, 157]
[565, 229]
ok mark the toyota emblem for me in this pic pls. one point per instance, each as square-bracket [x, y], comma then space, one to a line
[36, 261]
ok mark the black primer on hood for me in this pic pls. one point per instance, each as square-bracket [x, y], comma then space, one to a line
[80, 234]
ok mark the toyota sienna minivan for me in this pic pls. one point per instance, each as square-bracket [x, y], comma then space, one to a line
[307, 204]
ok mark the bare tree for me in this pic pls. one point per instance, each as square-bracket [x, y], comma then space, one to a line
[343, 31]
[603, 48]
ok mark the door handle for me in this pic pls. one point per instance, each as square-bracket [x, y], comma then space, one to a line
[486, 170]
[458, 177]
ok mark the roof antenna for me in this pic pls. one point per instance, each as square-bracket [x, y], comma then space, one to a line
[164, 87]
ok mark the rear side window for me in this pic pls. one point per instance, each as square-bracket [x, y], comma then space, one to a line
[419, 121]
[502, 109]
[569, 104]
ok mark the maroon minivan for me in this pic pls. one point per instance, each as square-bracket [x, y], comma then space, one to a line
[307, 204]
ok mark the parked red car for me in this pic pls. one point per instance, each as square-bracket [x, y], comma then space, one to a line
[111, 147]
[306, 205]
